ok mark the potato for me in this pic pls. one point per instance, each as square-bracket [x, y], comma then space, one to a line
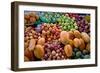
[76, 42]
[85, 37]
[68, 50]
[77, 34]
[64, 37]
[41, 41]
[82, 45]
[32, 44]
[39, 51]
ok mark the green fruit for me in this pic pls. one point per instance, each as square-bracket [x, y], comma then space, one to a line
[42, 19]
[75, 49]
[69, 27]
[73, 29]
[46, 21]
[38, 22]
[76, 27]
[58, 20]
[75, 57]
[64, 27]
[82, 56]
[66, 21]
[53, 20]
[73, 54]
[57, 15]
[78, 54]
[86, 56]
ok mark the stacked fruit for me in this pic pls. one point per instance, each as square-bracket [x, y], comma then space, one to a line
[56, 36]
[49, 17]
[67, 23]
[82, 20]
[51, 31]
[77, 45]
[54, 51]
[30, 18]
[36, 38]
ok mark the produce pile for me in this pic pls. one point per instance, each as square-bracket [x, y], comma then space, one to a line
[56, 36]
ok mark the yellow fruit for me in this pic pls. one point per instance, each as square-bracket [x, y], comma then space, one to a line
[41, 41]
[82, 45]
[88, 47]
[32, 19]
[39, 51]
[26, 45]
[64, 37]
[26, 58]
[37, 17]
[85, 37]
[32, 14]
[32, 44]
[87, 17]
[71, 35]
[71, 43]
[77, 34]
[27, 17]
[25, 21]
[76, 42]
[68, 50]
[43, 32]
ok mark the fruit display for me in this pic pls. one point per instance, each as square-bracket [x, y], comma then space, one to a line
[30, 18]
[56, 36]
[82, 21]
